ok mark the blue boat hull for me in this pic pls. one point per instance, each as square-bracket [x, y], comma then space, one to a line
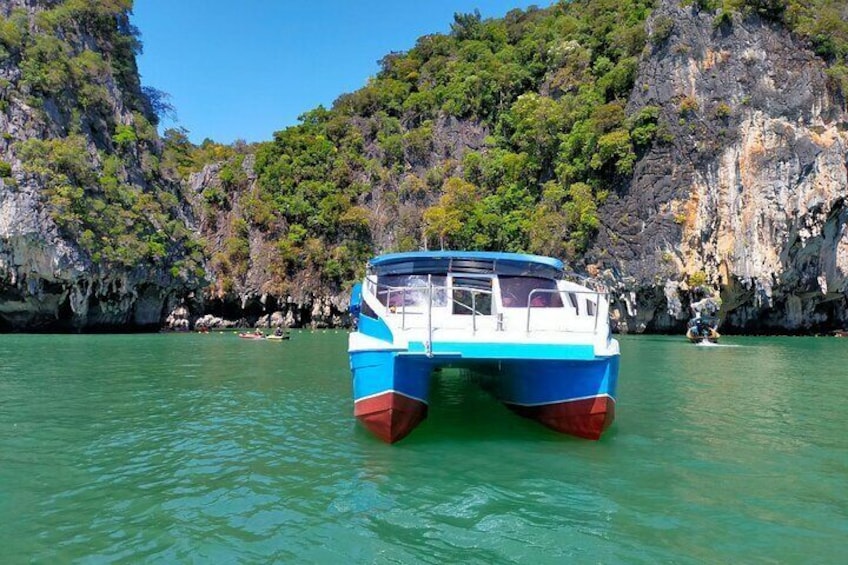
[391, 390]
[573, 397]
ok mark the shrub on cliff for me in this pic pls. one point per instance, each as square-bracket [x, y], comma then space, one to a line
[112, 220]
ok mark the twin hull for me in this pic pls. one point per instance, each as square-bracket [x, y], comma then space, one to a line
[563, 392]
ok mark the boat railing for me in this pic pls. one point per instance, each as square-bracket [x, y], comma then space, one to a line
[572, 297]
[420, 300]
[391, 292]
[591, 283]
[427, 292]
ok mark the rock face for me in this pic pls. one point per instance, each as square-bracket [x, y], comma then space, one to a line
[739, 202]
[744, 197]
[78, 143]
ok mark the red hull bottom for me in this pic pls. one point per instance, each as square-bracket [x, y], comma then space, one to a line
[586, 418]
[390, 416]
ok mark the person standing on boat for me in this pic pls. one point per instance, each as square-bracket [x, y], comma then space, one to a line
[539, 300]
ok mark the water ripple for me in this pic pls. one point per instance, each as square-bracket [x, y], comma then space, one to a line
[205, 448]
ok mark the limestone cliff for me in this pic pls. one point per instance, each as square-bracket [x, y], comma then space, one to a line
[744, 199]
[738, 203]
[91, 234]
[738, 198]
[244, 257]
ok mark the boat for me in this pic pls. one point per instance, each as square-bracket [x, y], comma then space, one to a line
[702, 330]
[538, 338]
[274, 337]
[251, 335]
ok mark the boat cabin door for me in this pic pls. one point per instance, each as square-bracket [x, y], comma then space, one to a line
[471, 294]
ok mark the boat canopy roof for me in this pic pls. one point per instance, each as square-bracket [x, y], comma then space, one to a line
[704, 319]
[477, 262]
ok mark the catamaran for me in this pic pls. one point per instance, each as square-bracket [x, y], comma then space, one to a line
[539, 339]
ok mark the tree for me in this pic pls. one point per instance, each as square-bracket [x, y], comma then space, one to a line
[466, 26]
[446, 219]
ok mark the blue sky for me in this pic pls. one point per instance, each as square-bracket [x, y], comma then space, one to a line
[245, 69]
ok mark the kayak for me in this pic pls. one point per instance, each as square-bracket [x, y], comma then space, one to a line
[251, 336]
[278, 337]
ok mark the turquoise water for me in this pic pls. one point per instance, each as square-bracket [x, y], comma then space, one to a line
[207, 448]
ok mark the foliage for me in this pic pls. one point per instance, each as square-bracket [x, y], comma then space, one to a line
[124, 135]
[534, 187]
[663, 26]
[550, 87]
[114, 221]
[13, 30]
[72, 49]
[75, 57]
[697, 279]
[159, 102]
[45, 67]
[643, 126]
[180, 157]
[825, 23]
[688, 105]
[723, 110]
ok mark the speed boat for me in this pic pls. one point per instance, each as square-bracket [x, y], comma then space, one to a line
[702, 330]
[539, 339]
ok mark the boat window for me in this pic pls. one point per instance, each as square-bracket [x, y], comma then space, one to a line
[410, 290]
[366, 310]
[515, 292]
[472, 295]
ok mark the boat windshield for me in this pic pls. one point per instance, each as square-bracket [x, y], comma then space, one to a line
[410, 290]
[703, 321]
[515, 292]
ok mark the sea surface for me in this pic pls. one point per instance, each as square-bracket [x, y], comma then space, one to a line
[211, 449]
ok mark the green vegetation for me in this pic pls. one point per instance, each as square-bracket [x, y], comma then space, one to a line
[823, 22]
[698, 279]
[549, 86]
[663, 26]
[114, 221]
[541, 97]
[181, 157]
[688, 106]
[551, 156]
[69, 53]
[12, 32]
[75, 78]
[124, 136]
[723, 110]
